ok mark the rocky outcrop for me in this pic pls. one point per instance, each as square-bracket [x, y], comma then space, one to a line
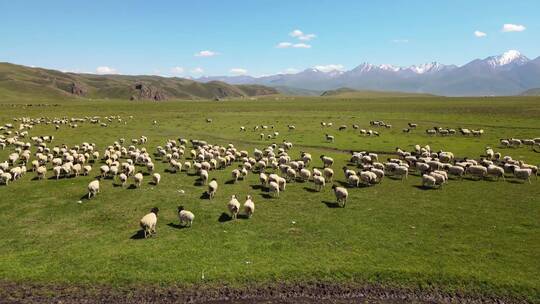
[77, 89]
[145, 91]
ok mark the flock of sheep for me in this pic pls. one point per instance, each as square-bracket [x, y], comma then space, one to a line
[274, 165]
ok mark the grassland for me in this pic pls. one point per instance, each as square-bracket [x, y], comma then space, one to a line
[478, 237]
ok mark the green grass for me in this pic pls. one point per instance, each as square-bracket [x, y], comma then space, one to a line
[471, 236]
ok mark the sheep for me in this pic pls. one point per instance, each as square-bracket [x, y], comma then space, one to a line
[305, 174]
[235, 175]
[249, 206]
[379, 173]
[456, 170]
[401, 171]
[329, 138]
[263, 178]
[428, 181]
[328, 174]
[204, 176]
[368, 177]
[5, 178]
[212, 188]
[234, 206]
[273, 187]
[156, 178]
[353, 180]
[41, 172]
[439, 178]
[478, 171]
[149, 221]
[341, 195]
[524, 174]
[327, 161]
[319, 182]
[104, 170]
[138, 178]
[93, 188]
[185, 217]
[495, 171]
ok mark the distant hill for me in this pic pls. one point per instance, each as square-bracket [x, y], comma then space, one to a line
[531, 92]
[352, 93]
[21, 81]
[297, 91]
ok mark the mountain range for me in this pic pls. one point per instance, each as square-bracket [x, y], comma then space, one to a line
[508, 74]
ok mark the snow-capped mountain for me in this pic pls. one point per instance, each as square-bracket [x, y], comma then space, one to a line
[506, 74]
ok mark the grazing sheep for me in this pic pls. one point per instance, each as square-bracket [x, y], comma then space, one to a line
[305, 174]
[235, 175]
[93, 188]
[341, 195]
[328, 174]
[204, 176]
[156, 178]
[428, 181]
[234, 206]
[478, 171]
[138, 178]
[5, 178]
[249, 206]
[149, 221]
[186, 217]
[263, 178]
[319, 182]
[368, 177]
[41, 172]
[87, 170]
[273, 187]
[123, 179]
[212, 188]
[353, 180]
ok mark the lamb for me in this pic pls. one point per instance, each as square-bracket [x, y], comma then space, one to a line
[212, 188]
[93, 188]
[149, 221]
[156, 178]
[233, 206]
[319, 182]
[138, 178]
[249, 206]
[341, 195]
[273, 187]
[186, 217]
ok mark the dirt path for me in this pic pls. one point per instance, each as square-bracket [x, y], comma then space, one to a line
[281, 293]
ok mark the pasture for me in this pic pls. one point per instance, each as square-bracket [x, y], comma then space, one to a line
[476, 237]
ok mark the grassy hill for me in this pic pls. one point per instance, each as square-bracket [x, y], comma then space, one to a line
[21, 82]
[531, 92]
[352, 93]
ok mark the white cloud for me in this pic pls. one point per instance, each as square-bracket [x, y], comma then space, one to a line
[301, 46]
[508, 27]
[284, 45]
[177, 70]
[480, 34]
[106, 70]
[329, 67]
[197, 70]
[400, 41]
[301, 35]
[206, 53]
[238, 71]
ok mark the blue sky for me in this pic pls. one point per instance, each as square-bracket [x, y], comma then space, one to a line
[164, 37]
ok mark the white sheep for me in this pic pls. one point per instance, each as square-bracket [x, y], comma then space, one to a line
[249, 206]
[233, 206]
[138, 178]
[495, 171]
[263, 179]
[341, 195]
[204, 176]
[273, 187]
[428, 181]
[212, 188]
[319, 182]
[149, 222]
[524, 174]
[41, 172]
[328, 174]
[476, 170]
[93, 188]
[123, 179]
[327, 161]
[186, 217]
[156, 178]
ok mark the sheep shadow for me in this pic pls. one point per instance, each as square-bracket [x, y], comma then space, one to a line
[230, 182]
[331, 204]
[308, 189]
[395, 177]
[257, 187]
[153, 183]
[139, 235]
[192, 174]
[84, 198]
[513, 181]
[176, 226]
[131, 187]
[425, 188]
[198, 182]
[205, 195]
[266, 196]
[344, 184]
[242, 216]
[224, 217]
[115, 185]
[170, 171]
